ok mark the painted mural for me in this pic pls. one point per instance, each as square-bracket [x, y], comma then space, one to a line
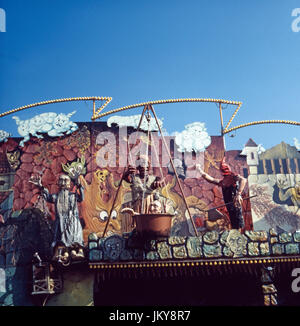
[77, 155]
[274, 180]
[79, 173]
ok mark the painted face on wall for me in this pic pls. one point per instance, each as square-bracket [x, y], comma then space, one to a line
[38, 121]
[113, 247]
[64, 182]
[236, 242]
[60, 121]
[98, 200]
[75, 169]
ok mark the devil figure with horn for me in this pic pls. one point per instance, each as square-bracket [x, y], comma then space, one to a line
[232, 186]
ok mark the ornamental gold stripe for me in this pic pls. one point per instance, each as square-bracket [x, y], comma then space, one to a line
[195, 263]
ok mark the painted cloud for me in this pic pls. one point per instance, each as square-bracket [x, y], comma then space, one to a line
[51, 123]
[193, 138]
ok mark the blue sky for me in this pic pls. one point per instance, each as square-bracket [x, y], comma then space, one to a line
[137, 50]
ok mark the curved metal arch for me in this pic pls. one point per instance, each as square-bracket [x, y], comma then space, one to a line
[178, 100]
[97, 114]
[70, 99]
[226, 131]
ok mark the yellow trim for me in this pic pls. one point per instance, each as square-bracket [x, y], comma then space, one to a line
[70, 99]
[187, 264]
[97, 114]
[178, 100]
[225, 131]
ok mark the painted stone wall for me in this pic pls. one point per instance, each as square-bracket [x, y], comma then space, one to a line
[208, 245]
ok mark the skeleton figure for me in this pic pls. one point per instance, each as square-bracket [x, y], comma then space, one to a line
[67, 226]
[143, 185]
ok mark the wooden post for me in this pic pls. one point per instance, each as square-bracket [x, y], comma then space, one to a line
[117, 193]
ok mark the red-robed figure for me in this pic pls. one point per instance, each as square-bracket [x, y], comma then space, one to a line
[232, 186]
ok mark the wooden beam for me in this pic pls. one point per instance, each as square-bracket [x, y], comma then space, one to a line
[297, 170]
[265, 166]
[281, 166]
[273, 166]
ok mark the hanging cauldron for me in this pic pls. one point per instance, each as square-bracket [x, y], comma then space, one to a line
[150, 225]
[153, 225]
